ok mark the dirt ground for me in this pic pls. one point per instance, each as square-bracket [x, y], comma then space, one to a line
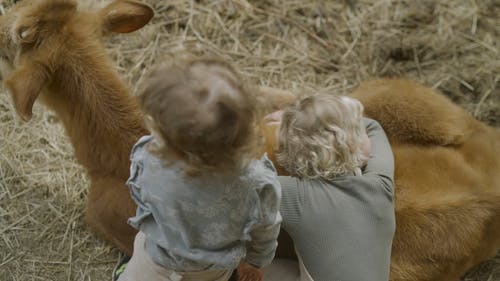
[303, 46]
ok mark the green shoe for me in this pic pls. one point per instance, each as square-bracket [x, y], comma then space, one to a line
[120, 267]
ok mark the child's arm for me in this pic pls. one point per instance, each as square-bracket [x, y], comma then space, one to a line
[272, 99]
[262, 247]
[381, 162]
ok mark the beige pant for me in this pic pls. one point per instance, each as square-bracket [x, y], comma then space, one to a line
[286, 270]
[142, 268]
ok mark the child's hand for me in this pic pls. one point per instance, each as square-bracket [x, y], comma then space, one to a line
[247, 272]
[366, 147]
[273, 118]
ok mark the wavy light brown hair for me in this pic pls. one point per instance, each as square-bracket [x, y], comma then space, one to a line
[321, 136]
[201, 111]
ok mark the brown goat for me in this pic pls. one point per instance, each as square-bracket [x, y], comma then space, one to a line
[51, 50]
[56, 53]
[447, 168]
[447, 180]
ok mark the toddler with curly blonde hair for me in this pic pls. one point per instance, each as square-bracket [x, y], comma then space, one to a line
[323, 137]
[338, 202]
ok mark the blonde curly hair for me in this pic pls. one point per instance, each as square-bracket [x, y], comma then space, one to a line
[321, 136]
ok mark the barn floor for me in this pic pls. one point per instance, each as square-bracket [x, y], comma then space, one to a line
[303, 46]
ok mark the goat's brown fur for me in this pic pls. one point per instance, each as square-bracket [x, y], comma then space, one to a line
[57, 49]
[447, 164]
[447, 180]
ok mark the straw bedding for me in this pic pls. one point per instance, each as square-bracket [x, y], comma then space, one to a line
[304, 46]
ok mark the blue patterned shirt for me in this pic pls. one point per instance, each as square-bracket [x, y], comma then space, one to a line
[205, 222]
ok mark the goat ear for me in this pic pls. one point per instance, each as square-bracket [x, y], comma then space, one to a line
[39, 17]
[27, 34]
[25, 85]
[124, 16]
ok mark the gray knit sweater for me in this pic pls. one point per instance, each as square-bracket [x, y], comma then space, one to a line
[343, 228]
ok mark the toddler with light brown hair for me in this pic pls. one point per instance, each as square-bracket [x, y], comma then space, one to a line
[206, 202]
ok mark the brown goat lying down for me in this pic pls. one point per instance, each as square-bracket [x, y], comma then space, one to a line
[447, 164]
